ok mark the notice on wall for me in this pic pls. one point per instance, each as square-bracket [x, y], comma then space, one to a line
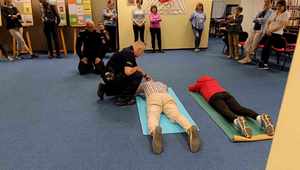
[79, 12]
[61, 8]
[166, 7]
[25, 8]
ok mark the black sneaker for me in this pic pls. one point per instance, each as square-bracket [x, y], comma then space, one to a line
[59, 56]
[240, 123]
[101, 91]
[193, 139]
[266, 124]
[125, 102]
[157, 141]
[34, 56]
[263, 66]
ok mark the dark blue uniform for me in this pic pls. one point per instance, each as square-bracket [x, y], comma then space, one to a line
[122, 85]
[92, 45]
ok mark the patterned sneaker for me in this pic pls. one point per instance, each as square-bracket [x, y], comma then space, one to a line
[240, 123]
[193, 139]
[157, 142]
[266, 123]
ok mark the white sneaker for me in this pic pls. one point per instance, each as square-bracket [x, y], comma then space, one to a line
[197, 50]
[10, 58]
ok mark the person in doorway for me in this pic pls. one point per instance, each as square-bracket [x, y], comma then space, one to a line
[13, 22]
[225, 104]
[51, 20]
[234, 29]
[155, 29]
[257, 33]
[139, 20]
[159, 101]
[274, 31]
[123, 76]
[90, 47]
[110, 18]
[198, 19]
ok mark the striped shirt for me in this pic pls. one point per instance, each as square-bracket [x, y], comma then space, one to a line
[153, 87]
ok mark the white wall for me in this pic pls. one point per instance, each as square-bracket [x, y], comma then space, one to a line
[218, 8]
[250, 9]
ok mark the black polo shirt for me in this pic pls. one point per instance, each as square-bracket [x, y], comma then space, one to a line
[122, 59]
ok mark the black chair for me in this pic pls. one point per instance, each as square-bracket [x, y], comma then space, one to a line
[280, 48]
[242, 40]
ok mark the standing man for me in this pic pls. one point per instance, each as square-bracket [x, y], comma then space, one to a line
[110, 18]
[90, 47]
[123, 76]
[51, 20]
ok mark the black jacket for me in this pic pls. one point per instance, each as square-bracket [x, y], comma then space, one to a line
[8, 12]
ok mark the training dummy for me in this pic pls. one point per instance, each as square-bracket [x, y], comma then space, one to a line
[225, 104]
[159, 101]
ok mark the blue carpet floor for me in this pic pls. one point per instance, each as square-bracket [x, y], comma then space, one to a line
[51, 118]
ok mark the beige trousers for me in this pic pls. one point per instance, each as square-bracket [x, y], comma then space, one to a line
[163, 102]
[252, 43]
[18, 35]
[233, 42]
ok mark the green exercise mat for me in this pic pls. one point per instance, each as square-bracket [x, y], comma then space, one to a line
[228, 128]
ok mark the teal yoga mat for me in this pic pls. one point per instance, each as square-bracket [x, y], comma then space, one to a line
[166, 125]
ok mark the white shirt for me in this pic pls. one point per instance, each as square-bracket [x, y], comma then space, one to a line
[276, 21]
[138, 16]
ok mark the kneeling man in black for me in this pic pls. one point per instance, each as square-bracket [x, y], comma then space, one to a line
[123, 76]
[90, 49]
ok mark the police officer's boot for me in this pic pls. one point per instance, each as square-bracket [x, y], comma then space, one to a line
[101, 91]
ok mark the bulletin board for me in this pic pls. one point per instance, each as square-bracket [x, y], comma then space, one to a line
[61, 8]
[25, 8]
[79, 12]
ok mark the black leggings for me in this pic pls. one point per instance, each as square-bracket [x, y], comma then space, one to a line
[228, 107]
[51, 32]
[139, 31]
[155, 32]
[112, 31]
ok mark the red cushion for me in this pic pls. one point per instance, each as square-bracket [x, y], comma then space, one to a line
[242, 43]
[261, 46]
[278, 49]
[290, 50]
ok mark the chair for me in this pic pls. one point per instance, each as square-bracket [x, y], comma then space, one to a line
[242, 40]
[291, 40]
[280, 48]
[261, 45]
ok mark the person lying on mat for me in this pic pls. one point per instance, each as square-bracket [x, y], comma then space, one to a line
[89, 47]
[224, 103]
[158, 101]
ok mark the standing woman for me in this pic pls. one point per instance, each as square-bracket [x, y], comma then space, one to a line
[155, 27]
[138, 19]
[51, 20]
[257, 33]
[13, 21]
[198, 19]
[110, 18]
[274, 30]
